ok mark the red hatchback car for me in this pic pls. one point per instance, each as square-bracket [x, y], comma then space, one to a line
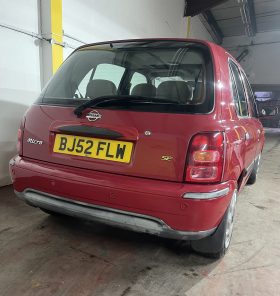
[157, 136]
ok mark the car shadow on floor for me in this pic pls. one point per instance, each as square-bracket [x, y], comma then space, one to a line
[49, 255]
[134, 257]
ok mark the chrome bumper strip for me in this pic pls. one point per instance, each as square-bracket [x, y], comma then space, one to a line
[122, 219]
[207, 195]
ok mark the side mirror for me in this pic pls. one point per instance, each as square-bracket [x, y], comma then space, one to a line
[268, 111]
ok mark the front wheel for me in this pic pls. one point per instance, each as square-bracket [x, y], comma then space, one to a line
[216, 245]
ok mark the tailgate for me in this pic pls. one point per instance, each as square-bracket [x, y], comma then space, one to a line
[142, 144]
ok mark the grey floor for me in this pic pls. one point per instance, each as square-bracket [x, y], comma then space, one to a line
[43, 255]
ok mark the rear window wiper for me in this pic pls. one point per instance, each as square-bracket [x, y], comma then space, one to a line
[120, 98]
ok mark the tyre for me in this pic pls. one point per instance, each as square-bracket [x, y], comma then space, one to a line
[253, 177]
[216, 245]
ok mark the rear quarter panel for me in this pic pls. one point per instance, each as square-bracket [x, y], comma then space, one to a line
[234, 128]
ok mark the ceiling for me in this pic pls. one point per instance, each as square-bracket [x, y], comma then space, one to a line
[194, 7]
[229, 19]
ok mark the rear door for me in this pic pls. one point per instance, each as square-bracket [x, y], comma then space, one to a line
[256, 124]
[155, 144]
[246, 129]
[143, 139]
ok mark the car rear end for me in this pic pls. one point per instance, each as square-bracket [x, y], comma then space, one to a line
[147, 153]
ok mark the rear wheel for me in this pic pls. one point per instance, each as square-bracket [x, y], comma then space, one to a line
[216, 245]
[253, 177]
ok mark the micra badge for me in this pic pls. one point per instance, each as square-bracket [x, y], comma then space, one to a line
[93, 115]
[34, 141]
[166, 158]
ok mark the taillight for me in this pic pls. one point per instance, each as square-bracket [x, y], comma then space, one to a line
[20, 136]
[19, 141]
[206, 158]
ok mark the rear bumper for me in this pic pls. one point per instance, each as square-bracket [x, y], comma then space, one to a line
[122, 219]
[168, 209]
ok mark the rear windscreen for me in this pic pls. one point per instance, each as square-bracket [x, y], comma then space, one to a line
[178, 72]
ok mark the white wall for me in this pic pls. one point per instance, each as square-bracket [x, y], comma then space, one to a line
[19, 74]
[91, 21]
[263, 61]
[99, 20]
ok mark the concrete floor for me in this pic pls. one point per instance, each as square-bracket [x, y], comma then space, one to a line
[43, 255]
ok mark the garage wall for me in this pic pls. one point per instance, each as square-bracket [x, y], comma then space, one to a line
[19, 74]
[262, 63]
[198, 30]
[99, 20]
[89, 21]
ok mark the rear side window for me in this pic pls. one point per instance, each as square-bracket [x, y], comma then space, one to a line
[250, 96]
[174, 71]
[110, 72]
[137, 79]
[102, 71]
[238, 92]
[82, 87]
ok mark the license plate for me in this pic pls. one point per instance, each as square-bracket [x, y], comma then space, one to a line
[113, 150]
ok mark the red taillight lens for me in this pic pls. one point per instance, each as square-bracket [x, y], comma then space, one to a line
[206, 158]
[19, 141]
[20, 136]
